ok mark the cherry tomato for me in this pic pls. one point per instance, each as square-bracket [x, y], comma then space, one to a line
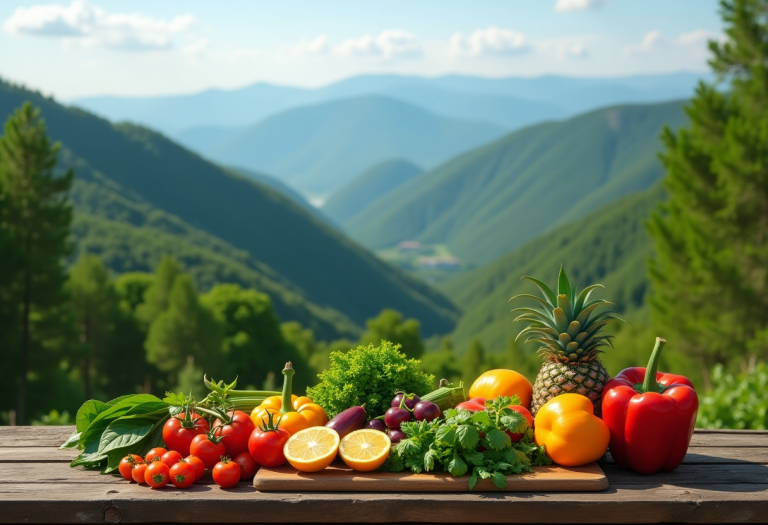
[139, 469]
[154, 454]
[180, 430]
[157, 475]
[182, 474]
[197, 464]
[266, 447]
[226, 473]
[207, 450]
[236, 433]
[526, 413]
[170, 458]
[126, 465]
[248, 466]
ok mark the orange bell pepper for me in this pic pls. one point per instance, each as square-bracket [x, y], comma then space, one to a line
[570, 431]
[495, 383]
[295, 413]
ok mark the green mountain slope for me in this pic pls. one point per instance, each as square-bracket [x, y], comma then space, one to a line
[370, 185]
[323, 267]
[489, 201]
[319, 148]
[609, 246]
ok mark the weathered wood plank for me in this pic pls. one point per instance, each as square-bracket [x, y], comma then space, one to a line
[687, 475]
[37, 455]
[715, 456]
[729, 439]
[34, 436]
[63, 473]
[130, 503]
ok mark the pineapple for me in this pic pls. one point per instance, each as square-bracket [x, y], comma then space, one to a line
[569, 332]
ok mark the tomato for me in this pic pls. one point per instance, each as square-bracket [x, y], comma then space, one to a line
[182, 474]
[170, 458]
[126, 465]
[157, 475]
[208, 451]
[154, 454]
[180, 430]
[138, 472]
[236, 432]
[248, 466]
[266, 446]
[476, 404]
[528, 417]
[197, 464]
[226, 473]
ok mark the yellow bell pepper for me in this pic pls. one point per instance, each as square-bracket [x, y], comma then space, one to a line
[569, 430]
[295, 413]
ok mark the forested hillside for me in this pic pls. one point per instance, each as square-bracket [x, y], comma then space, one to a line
[372, 184]
[319, 148]
[491, 200]
[609, 246]
[321, 266]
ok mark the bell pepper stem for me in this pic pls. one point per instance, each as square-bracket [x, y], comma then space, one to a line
[649, 381]
[287, 404]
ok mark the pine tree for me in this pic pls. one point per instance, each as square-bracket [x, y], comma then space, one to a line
[96, 305]
[710, 275]
[184, 329]
[390, 326]
[156, 297]
[37, 214]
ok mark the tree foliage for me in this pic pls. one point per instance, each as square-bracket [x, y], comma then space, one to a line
[390, 326]
[710, 275]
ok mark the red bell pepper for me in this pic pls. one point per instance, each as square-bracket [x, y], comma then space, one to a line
[651, 416]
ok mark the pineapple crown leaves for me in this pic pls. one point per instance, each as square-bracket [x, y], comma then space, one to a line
[566, 323]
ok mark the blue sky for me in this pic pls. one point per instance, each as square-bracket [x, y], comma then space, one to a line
[140, 48]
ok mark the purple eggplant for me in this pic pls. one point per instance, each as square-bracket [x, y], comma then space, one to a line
[347, 421]
[410, 402]
[426, 411]
[395, 436]
[376, 424]
[393, 417]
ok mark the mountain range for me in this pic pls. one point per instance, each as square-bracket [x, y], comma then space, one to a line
[144, 185]
[491, 200]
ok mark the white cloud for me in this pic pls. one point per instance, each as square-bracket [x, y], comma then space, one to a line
[490, 41]
[655, 40]
[389, 44]
[90, 25]
[563, 6]
[196, 49]
[320, 45]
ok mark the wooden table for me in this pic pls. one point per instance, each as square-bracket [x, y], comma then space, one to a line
[724, 479]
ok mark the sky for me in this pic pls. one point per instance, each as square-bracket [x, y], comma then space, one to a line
[143, 48]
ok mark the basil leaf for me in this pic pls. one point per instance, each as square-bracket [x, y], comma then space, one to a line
[88, 412]
[101, 422]
[94, 460]
[72, 440]
[125, 432]
[152, 440]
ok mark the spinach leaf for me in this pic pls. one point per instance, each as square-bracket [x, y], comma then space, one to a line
[88, 412]
[125, 432]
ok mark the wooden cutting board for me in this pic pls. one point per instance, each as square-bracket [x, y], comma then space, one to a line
[340, 478]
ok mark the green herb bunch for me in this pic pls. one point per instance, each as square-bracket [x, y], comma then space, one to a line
[368, 375]
[467, 440]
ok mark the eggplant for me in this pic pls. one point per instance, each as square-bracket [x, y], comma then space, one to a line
[347, 421]
[376, 424]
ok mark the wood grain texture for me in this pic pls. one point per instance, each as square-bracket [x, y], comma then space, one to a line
[340, 478]
[723, 479]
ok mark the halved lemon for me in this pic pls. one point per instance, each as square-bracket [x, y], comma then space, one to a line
[365, 450]
[312, 449]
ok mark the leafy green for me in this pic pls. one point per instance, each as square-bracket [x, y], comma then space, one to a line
[454, 445]
[368, 375]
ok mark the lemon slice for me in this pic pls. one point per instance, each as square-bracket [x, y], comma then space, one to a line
[312, 449]
[365, 450]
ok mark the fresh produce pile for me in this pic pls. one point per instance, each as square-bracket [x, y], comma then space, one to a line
[384, 416]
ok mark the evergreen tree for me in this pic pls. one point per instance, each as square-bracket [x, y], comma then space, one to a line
[473, 363]
[184, 329]
[37, 214]
[131, 288]
[96, 306]
[157, 295]
[390, 326]
[710, 284]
